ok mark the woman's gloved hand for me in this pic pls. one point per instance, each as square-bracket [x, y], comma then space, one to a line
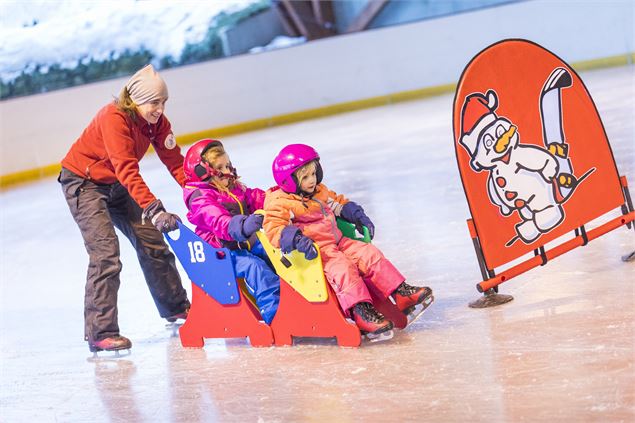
[161, 219]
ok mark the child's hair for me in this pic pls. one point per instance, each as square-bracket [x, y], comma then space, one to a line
[304, 170]
[210, 156]
[213, 153]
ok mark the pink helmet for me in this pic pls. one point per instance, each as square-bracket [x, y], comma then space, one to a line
[291, 158]
[195, 168]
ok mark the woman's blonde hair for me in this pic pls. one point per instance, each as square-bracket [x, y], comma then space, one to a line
[305, 170]
[210, 156]
[125, 104]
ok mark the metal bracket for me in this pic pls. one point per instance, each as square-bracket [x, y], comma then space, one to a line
[581, 231]
[543, 255]
[479, 252]
[627, 207]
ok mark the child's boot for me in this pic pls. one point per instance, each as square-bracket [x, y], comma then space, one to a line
[372, 323]
[412, 300]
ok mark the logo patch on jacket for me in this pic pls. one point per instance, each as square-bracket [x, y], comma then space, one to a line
[170, 141]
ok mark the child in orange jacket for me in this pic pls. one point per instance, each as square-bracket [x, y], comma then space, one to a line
[301, 210]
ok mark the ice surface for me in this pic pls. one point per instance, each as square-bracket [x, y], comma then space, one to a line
[563, 350]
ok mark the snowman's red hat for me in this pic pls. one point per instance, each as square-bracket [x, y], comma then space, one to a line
[476, 115]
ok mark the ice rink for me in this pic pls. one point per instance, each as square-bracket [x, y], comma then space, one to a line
[563, 350]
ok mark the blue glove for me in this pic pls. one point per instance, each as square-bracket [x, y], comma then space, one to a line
[241, 227]
[304, 244]
[291, 239]
[287, 238]
[354, 213]
[252, 224]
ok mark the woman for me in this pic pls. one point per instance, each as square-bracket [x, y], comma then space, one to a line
[103, 188]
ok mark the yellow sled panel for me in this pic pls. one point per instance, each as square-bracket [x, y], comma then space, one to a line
[305, 276]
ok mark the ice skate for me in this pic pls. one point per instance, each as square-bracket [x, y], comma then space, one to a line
[176, 321]
[174, 327]
[178, 316]
[412, 300]
[113, 343]
[371, 323]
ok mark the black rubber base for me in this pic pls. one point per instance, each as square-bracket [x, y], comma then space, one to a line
[629, 257]
[491, 299]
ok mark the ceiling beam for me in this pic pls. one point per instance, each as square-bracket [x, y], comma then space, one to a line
[366, 16]
[309, 18]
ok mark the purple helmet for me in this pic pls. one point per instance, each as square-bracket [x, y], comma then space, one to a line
[291, 158]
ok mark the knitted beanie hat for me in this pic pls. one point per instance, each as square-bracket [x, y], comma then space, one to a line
[146, 85]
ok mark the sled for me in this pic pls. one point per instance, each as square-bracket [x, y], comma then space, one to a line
[308, 306]
[553, 115]
[220, 307]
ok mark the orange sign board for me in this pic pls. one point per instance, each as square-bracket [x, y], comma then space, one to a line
[534, 159]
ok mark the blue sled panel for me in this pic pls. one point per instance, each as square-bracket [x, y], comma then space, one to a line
[209, 268]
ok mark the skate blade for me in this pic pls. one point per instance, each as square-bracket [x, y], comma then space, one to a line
[380, 337]
[109, 355]
[174, 327]
[419, 309]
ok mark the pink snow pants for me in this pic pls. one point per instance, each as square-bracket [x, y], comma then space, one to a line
[352, 265]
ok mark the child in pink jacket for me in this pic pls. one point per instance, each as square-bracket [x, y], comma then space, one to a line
[222, 209]
[302, 211]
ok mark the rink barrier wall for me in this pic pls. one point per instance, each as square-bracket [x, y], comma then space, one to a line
[183, 140]
[30, 175]
[325, 76]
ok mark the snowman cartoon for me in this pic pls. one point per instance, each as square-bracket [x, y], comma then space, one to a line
[532, 180]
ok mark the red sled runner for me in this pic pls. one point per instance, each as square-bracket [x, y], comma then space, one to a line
[534, 159]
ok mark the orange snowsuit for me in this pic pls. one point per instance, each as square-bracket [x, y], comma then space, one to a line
[349, 265]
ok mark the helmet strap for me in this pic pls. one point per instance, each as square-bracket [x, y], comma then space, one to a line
[233, 174]
[203, 171]
[305, 196]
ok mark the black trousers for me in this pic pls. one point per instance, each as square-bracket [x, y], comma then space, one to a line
[97, 210]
